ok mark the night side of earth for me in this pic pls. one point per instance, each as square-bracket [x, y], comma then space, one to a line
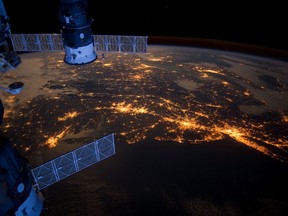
[197, 131]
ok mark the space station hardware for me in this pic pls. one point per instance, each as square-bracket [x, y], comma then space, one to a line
[20, 186]
[73, 162]
[76, 32]
[13, 88]
[76, 38]
[9, 59]
[18, 196]
[102, 43]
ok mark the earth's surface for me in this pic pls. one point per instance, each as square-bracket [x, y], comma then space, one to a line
[197, 131]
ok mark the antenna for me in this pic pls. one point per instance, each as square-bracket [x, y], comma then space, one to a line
[13, 88]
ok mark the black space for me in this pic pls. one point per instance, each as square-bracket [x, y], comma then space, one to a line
[259, 24]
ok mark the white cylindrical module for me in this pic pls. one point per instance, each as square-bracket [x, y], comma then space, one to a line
[76, 32]
[80, 55]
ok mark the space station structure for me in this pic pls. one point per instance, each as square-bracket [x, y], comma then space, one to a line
[76, 38]
[18, 196]
[21, 186]
[9, 59]
[76, 32]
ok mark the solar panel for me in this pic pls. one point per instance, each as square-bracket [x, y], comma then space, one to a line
[102, 43]
[73, 162]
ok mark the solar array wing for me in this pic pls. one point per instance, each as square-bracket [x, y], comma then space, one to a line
[73, 162]
[102, 43]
